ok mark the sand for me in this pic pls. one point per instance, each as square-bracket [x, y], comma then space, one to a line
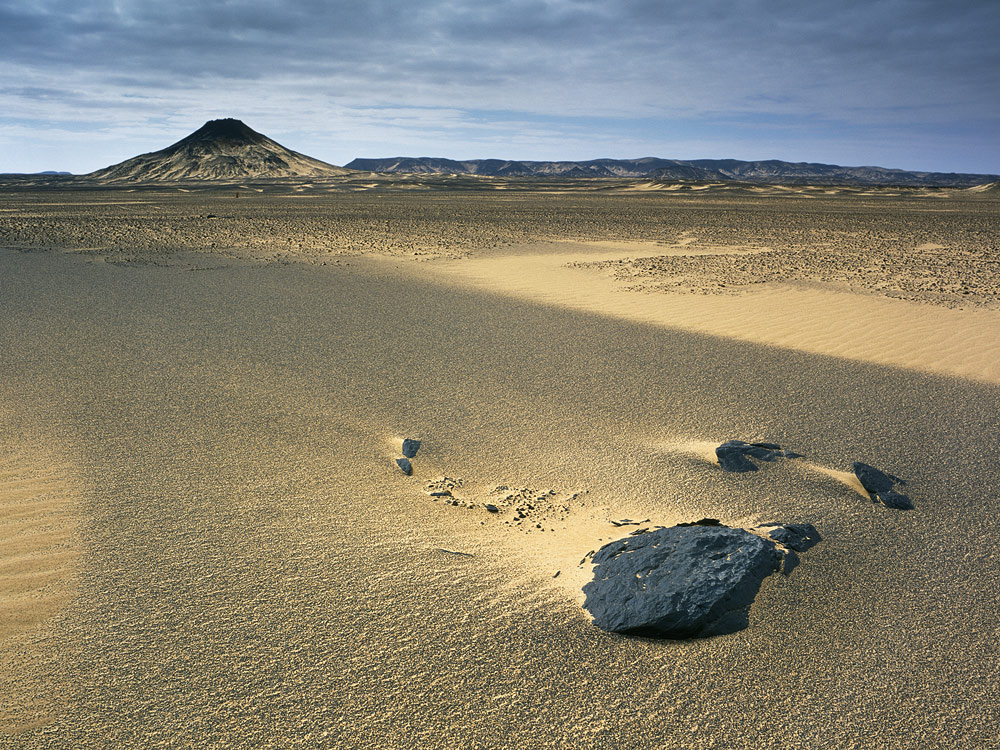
[253, 570]
[801, 317]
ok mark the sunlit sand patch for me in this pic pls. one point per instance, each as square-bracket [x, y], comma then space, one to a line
[814, 319]
[38, 555]
[703, 450]
[552, 551]
[847, 478]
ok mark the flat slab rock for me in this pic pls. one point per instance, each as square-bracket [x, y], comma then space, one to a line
[733, 454]
[679, 582]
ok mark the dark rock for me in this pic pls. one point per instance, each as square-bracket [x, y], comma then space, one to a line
[795, 536]
[491, 508]
[879, 486]
[441, 493]
[731, 458]
[410, 447]
[405, 466]
[732, 454]
[679, 582]
[701, 522]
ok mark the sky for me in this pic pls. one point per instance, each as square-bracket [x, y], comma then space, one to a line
[909, 84]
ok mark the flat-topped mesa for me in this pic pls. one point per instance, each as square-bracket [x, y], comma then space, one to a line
[224, 149]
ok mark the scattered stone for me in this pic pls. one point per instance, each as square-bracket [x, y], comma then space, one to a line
[732, 454]
[628, 522]
[879, 486]
[405, 466]
[795, 536]
[440, 484]
[441, 493]
[410, 447]
[557, 574]
[679, 582]
[491, 508]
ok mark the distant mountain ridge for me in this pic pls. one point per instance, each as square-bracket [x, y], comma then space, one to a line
[225, 149]
[771, 171]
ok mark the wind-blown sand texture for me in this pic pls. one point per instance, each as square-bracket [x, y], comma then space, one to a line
[254, 570]
[38, 499]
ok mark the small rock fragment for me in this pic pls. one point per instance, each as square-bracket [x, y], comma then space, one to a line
[491, 508]
[410, 447]
[455, 552]
[405, 466]
[879, 486]
[796, 536]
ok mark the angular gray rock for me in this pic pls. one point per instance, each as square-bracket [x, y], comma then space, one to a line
[405, 466]
[796, 536]
[732, 454]
[679, 582]
[880, 486]
[410, 447]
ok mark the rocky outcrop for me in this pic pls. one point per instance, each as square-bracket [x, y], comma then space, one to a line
[771, 172]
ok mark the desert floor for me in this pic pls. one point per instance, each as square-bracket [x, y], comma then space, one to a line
[206, 541]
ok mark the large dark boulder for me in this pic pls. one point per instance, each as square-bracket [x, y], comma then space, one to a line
[880, 486]
[733, 454]
[679, 582]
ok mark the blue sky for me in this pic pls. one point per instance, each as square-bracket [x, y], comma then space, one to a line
[912, 84]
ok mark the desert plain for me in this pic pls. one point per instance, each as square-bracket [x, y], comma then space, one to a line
[206, 541]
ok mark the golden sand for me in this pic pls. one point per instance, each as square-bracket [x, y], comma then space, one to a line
[38, 555]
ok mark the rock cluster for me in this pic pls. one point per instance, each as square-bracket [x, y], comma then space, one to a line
[410, 448]
[879, 486]
[733, 456]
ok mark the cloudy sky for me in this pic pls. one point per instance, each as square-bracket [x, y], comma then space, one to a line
[913, 84]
